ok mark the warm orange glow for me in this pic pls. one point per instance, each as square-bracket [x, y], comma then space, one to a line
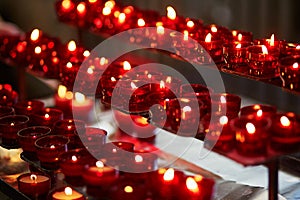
[47, 116]
[256, 107]
[74, 158]
[171, 13]
[86, 53]
[208, 37]
[250, 128]
[81, 8]
[190, 24]
[223, 120]
[238, 46]
[141, 22]
[162, 84]
[223, 99]
[110, 4]
[99, 164]
[138, 158]
[285, 121]
[128, 10]
[69, 65]
[37, 50]
[298, 47]
[185, 35]
[116, 14]
[66, 4]
[62, 90]
[259, 113]
[272, 40]
[103, 61]
[234, 33]
[160, 30]
[192, 185]
[126, 65]
[92, 1]
[264, 49]
[79, 97]
[213, 29]
[68, 191]
[128, 189]
[295, 65]
[169, 174]
[106, 11]
[35, 34]
[121, 18]
[72, 45]
[240, 37]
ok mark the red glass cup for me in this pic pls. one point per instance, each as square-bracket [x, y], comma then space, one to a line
[64, 193]
[144, 161]
[34, 185]
[289, 71]
[28, 107]
[8, 96]
[234, 54]
[28, 136]
[285, 129]
[262, 62]
[210, 52]
[9, 127]
[226, 103]
[46, 117]
[6, 110]
[251, 135]
[289, 49]
[241, 36]
[93, 139]
[187, 90]
[49, 148]
[258, 110]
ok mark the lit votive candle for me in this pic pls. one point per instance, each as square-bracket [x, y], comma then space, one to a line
[290, 49]
[46, 117]
[49, 148]
[9, 127]
[285, 131]
[210, 49]
[82, 107]
[93, 139]
[28, 107]
[258, 110]
[99, 175]
[226, 103]
[290, 72]
[63, 100]
[251, 135]
[34, 185]
[8, 96]
[271, 43]
[66, 193]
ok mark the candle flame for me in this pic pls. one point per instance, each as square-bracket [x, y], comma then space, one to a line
[113, 79]
[33, 177]
[35, 34]
[238, 46]
[185, 35]
[234, 33]
[190, 24]
[121, 18]
[47, 116]
[169, 174]
[74, 158]
[141, 22]
[250, 128]
[259, 113]
[256, 107]
[126, 65]
[133, 86]
[128, 10]
[86, 53]
[169, 79]
[298, 47]
[12, 124]
[171, 13]
[160, 30]
[103, 61]
[240, 37]
[223, 120]
[62, 90]
[192, 185]
[68, 191]
[110, 4]
[81, 8]
[162, 84]
[264, 49]
[92, 1]
[90, 70]
[69, 65]
[208, 37]
[52, 147]
[72, 45]
[79, 97]
[138, 158]
[186, 109]
[295, 65]
[272, 40]
[106, 10]
[29, 107]
[214, 29]
[66, 4]
[285, 121]
[99, 164]
[223, 99]
[37, 50]
[128, 189]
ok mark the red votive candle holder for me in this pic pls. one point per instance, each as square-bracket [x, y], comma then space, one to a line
[234, 54]
[187, 90]
[241, 36]
[290, 72]
[28, 136]
[262, 62]
[34, 185]
[82, 107]
[290, 49]
[219, 134]
[93, 139]
[28, 107]
[6, 110]
[49, 148]
[226, 103]
[63, 100]
[210, 49]
[99, 175]
[258, 110]
[144, 161]
[107, 84]
[251, 135]
[285, 131]
[46, 117]
[197, 187]
[270, 43]
[8, 96]
[72, 163]
[9, 127]
[66, 193]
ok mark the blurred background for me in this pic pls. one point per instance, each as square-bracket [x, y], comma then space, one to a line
[262, 17]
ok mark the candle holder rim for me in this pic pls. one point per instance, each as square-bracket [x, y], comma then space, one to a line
[48, 137]
[19, 133]
[14, 116]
